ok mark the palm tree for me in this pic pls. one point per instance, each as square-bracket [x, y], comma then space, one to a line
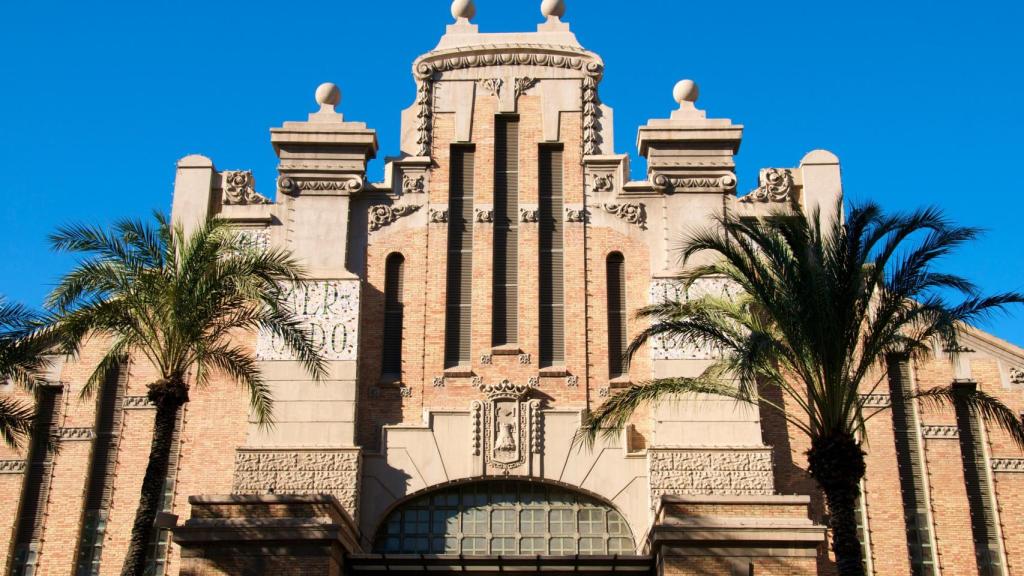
[821, 308]
[22, 358]
[179, 302]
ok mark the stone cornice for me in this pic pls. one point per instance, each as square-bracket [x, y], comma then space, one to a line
[12, 466]
[1008, 465]
[940, 431]
[511, 54]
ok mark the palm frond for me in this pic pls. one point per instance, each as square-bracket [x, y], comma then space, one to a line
[16, 420]
[991, 409]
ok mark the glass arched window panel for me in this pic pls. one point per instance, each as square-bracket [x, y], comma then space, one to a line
[493, 517]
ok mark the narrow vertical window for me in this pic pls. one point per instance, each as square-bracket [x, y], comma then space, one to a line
[99, 484]
[616, 269]
[979, 489]
[549, 218]
[460, 258]
[504, 328]
[393, 316]
[36, 487]
[909, 459]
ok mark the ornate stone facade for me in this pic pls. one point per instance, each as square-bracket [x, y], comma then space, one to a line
[726, 472]
[334, 472]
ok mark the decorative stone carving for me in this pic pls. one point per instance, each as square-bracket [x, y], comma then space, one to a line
[533, 381]
[591, 144]
[670, 184]
[509, 424]
[333, 472]
[1016, 376]
[255, 241]
[12, 466]
[572, 381]
[578, 215]
[424, 115]
[528, 215]
[710, 472]
[632, 212]
[405, 391]
[413, 184]
[75, 434]
[875, 400]
[675, 290]
[477, 381]
[776, 185]
[437, 216]
[523, 84]
[536, 424]
[604, 392]
[603, 182]
[1008, 465]
[524, 359]
[940, 432]
[239, 188]
[476, 411]
[439, 382]
[293, 185]
[138, 403]
[523, 55]
[381, 215]
[483, 216]
[486, 359]
[330, 309]
[492, 85]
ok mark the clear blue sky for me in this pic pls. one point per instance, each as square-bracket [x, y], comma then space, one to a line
[920, 100]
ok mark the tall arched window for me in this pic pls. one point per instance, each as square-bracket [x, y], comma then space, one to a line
[616, 267]
[393, 314]
[492, 517]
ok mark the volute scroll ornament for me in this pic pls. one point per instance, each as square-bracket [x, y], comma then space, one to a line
[240, 188]
[634, 213]
[382, 214]
[776, 186]
[1017, 375]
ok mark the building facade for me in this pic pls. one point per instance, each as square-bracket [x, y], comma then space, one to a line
[472, 306]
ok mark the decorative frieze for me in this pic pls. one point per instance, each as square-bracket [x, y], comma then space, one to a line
[437, 215]
[334, 472]
[12, 466]
[330, 310]
[239, 188]
[940, 432]
[483, 216]
[1008, 465]
[732, 472]
[670, 184]
[576, 214]
[670, 290]
[632, 212]
[591, 139]
[382, 214]
[522, 55]
[138, 403]
[293, 185]
[875, 400]
[76, 434]
[776, 185]
[413, 183]
[424, 115]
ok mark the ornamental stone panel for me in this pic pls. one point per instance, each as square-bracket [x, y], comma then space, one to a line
[334, 472]
[697, 471]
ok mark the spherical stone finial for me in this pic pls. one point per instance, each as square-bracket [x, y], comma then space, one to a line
[551, 8]
[463, 9]
[328, 94]
[685, 91]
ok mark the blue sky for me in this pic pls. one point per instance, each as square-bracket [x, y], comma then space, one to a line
[920, 100]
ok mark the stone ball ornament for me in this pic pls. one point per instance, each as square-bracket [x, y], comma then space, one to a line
[551, 8]
[685, 91]
[463, 9]
[328, 94]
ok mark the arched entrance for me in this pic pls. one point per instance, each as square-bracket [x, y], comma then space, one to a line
[504, 518]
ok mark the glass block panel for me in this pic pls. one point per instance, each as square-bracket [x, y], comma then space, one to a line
[474, 522]
[592, 521]
[503, 522]
[621, 546]
[563, 546]
[591, 545]
[474, 546]
[616, 524]
[532, 522]
[503, 546]
[562, 522]
[533, 546]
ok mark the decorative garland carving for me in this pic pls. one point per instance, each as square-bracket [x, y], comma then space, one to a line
[492, 85]
[476, 411]
[528, 215]
[425, 115]
[239, 188]
[940, 432]
[1008, 465]
[576, 214]
[634, 213]
[603, 182]
[590, 123]
[536, 431]
[293, 185]
[483, 216]
[437, 216]
[776, 185]
[669, 184]
[523, 84]
[413, 184]
[138, 403]
[382, 214]
[875, 400]
[12, 466]
[1016, 376]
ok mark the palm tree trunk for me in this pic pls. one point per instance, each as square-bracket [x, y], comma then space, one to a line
[837, 463]
[167, 405]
